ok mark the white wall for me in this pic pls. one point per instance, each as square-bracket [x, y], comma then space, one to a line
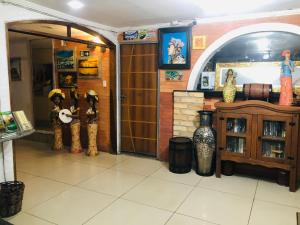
[21, 91]
[11, 13]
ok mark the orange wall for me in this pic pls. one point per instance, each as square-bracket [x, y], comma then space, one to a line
[84, 85]
[212, 31]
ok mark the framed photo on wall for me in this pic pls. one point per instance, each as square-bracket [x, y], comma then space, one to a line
[174, 48]
[15, 69]
[88, 68]
[67, 79]
[65, 59]
[207, 80]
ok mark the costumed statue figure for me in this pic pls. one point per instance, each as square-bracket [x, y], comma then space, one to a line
[229, 89]
[174, 52]
[57, 97]
[286, 90]
[75, 124]
[92, 122]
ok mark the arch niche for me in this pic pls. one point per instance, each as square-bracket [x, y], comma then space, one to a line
[104, 44]
[228, 37]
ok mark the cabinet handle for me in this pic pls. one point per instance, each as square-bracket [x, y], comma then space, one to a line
[221, 148]
[292, 124]
[221, 118]
[290, 158]
[259, 138]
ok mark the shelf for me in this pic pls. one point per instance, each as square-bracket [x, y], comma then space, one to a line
[272, 138]
[17, 135]
[231, 134]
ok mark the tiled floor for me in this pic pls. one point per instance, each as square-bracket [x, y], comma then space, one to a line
[71, 189]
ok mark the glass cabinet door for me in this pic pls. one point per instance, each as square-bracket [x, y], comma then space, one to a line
[274, 136]
[237, 128]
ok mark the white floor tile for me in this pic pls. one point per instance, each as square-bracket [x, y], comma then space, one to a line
[138, 165]
[74, 173]
[112, 182]
[72, 207]
[159, 193]
[185, 220]
[190, 178]
[130, 213]
[38, 190]
[264, 213]
[26, 219]
[242, 186]
[24, 177]
[270, 191]
[217, 207]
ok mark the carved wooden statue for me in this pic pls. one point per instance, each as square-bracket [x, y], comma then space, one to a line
[57, 97]
[75, 124]
[92, 122]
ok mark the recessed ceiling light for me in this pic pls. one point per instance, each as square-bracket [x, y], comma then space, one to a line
[74, 4]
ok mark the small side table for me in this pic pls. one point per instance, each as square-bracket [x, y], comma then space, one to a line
[180, 154]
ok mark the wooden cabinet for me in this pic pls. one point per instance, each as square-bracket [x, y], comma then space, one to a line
[259, 133]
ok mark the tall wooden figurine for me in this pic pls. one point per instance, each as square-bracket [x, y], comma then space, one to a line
[92, 122]
[75, 124]
[57, 97]
[286, 90]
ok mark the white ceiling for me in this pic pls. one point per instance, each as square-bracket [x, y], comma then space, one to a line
[131, 13]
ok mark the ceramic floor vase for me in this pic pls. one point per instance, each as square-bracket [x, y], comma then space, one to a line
[58, 142]
[204, 141]
[92, 129]
[75, 133]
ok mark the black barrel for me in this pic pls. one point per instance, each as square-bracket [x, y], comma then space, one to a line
[180, 154]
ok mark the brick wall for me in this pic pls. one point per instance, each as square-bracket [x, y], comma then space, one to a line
[185, 117]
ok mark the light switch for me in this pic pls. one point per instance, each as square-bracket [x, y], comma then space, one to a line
[104, 83]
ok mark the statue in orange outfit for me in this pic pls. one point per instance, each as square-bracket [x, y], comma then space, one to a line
[287, 68]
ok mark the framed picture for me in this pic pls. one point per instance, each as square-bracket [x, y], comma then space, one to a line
[85, 53]
[65, 59]
[15, 69]
[174, 75]
[88, 68]
[174, 48]
[67, 79]
[207, 80]
[255, 72]
[199, 42]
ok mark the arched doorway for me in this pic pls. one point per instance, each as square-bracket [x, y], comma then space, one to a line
[222, 41]
[81, 39]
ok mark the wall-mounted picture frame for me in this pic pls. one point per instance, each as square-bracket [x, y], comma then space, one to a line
[207, 80]
[15, 69]
[173, 75]
[199, 42]
[88, 68]
[67, 79]
[65, 59]
[174, 48]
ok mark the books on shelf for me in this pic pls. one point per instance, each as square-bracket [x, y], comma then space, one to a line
[13, 124]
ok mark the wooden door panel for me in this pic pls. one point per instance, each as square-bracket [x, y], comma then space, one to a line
[139, 80]
[138, 64]
[139, 113]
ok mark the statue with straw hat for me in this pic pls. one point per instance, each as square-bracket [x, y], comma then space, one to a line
[75, 124]
[57, 97]
[91, 97]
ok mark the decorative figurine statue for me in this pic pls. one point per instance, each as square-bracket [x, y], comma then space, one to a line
[229, 89]
[57, 97]
[75, 124]
[92, 122]
[286, 90]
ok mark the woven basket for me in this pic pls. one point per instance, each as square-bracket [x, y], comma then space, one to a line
[11, 196]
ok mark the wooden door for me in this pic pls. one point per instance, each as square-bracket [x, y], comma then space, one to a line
[139, 76]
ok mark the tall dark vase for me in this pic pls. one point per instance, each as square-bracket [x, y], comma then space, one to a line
[205, 145]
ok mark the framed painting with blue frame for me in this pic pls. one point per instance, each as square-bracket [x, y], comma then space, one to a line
[174, 48]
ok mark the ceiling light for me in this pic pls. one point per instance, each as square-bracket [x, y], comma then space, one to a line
[74, 4]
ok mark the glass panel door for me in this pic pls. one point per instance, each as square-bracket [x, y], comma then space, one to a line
[237, 128]
[273, 138]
